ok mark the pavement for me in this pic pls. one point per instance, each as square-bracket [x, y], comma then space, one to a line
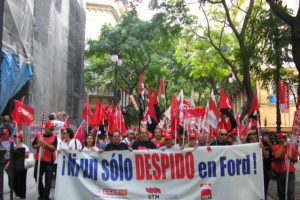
[31, 187]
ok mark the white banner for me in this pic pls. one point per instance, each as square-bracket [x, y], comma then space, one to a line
[228, 172]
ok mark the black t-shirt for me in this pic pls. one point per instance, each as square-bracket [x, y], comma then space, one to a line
[139, 145]
[218, 143]
[114, 147]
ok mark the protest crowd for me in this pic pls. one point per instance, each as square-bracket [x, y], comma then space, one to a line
[184, 127]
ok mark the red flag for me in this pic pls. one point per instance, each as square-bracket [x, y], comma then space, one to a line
[86, 114]
[162, 88]
[155, 98]
[254, 110]
[67, 123]
[22, 113]
[79, 135]
[193, 112]
[175, 112]
[119, 121]
[111, 118]
[97, 118]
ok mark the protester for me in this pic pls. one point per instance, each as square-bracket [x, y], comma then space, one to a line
[182, 139]
[6, 124]
[243, 139]
[129, 139]
[116, 143]
[47, 142]
[252, 136]
[285, 155]
[89, 144]
[158, 139]
[169, 142]
[192, 140]
[69, 142]
[235, 139]
[142, 142]
[221, 139]
[102, 141]
[201, 140]
[20, 174]
[267, 147]
[5, 142]
[230, 140]
[57, 123]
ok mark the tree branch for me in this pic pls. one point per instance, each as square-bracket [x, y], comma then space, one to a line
[281, 13]
[247, 18]
[233, 68]
[236, 33]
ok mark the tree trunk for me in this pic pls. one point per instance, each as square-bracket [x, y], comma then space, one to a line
[246, 83]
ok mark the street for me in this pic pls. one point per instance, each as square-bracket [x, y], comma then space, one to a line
[31, 189]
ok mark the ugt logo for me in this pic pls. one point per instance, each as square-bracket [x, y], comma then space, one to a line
[205, 191]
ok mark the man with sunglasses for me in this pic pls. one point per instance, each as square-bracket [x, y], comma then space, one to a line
[48, 143]
[221, 139]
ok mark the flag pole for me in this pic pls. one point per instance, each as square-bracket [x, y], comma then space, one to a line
[40, 154]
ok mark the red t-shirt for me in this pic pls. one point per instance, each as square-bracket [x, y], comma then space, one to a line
[280, 164]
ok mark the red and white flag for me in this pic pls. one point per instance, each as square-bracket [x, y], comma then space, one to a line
[22, 113]
[213, 112]
[132, 100]
[284, 97]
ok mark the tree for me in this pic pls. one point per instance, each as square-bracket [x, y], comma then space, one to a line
[223, 17]
[294, 23]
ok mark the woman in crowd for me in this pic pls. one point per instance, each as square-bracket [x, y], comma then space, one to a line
[89, 144]
[69, 142]
[20, 174]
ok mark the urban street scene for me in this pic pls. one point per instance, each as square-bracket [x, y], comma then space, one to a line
[150, 99]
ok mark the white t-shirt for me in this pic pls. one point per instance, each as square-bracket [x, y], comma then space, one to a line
[90, 149]
[58, 124]
[71, 146]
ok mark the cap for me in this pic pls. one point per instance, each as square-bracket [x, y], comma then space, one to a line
[5, 131]
[193, 136]
[168, 136]
[20, 135]
[50, 124]
[281, 135]
[63, 128]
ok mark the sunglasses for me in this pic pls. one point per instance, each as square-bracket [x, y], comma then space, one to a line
[223, 134]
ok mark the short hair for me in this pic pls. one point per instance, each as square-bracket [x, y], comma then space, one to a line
[51, 116]
[70, 132]
[117, 132]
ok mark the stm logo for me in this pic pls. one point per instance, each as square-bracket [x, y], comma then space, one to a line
[205, 191]
[153, 193]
